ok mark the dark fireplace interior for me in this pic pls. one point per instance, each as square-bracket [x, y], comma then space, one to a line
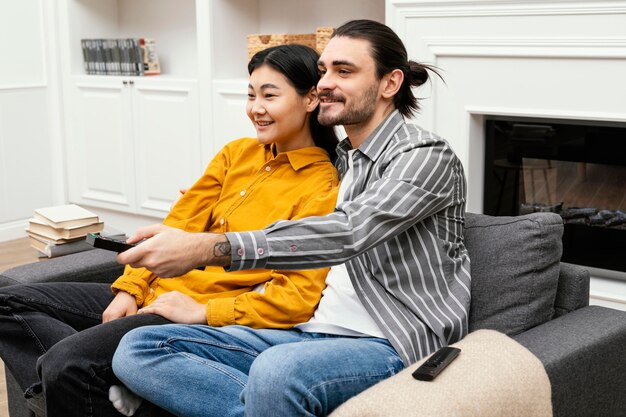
[574, 168]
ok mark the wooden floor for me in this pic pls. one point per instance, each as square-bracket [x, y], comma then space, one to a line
[12, 253]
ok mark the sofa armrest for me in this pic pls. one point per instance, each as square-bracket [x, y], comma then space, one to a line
[584, 354]
[90, 266]
[572, 290]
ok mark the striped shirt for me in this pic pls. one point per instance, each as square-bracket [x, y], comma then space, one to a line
[400, 232]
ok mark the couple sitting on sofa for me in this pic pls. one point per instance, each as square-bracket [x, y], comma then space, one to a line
[398, 289]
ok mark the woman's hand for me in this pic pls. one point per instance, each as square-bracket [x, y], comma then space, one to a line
[177, 307]
[122, 305]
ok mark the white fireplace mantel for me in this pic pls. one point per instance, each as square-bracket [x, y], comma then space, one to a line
[559, 59]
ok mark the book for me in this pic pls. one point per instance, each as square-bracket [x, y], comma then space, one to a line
[50, 249]
[151, 65]
[44, 229]
[138, 60]
[53, 241]
[66, 216]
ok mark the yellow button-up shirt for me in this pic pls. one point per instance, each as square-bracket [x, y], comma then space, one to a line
[246, 187]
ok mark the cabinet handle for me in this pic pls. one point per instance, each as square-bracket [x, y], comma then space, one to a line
[125, 82]
[131, 82]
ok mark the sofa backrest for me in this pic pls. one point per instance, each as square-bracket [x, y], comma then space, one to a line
[514, 268]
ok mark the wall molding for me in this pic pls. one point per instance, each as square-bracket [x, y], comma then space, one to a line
[13, 230]
[475, 8]
[21, 87]
[527, 47]
[536, 112]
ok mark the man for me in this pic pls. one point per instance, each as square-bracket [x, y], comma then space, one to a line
[400, 284]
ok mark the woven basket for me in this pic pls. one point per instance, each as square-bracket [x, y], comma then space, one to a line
[258, 43]
[322, 36]
[317, 40]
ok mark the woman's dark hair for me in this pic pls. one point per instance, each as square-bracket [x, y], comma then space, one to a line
[299, 64]
[389, 53]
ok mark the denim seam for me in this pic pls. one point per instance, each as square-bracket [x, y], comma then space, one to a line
[209, 364]
[90, 401]
[60, 307]
[171, 340]
[31, 333]
[165, 345]
[310, 396]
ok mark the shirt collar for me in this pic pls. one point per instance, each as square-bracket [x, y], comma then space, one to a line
[299, 158]
[376, 142]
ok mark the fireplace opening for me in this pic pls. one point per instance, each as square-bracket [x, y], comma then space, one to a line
[574, 168]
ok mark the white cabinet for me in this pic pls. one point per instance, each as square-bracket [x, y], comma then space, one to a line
[132, 142]
[131, 146]
[99, 144]
[167, 141]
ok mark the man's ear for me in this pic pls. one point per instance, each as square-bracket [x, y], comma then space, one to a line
[392, 83]
[312, 99]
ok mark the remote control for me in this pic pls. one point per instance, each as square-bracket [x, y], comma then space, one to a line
[436, 363]
[98, 241]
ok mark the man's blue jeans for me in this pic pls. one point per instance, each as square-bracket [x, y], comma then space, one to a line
[196, 370]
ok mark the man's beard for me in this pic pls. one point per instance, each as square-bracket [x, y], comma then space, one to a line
[361, 111]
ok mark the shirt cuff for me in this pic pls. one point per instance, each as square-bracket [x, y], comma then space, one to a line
[249, 250]
[220, 312]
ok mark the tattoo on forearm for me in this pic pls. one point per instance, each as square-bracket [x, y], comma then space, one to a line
[221, 249]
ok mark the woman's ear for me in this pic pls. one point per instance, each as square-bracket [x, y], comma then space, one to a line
[312, 99]
[392, 83]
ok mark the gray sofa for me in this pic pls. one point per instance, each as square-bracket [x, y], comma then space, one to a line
[519, 287]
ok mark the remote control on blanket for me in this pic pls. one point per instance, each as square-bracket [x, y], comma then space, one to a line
[436, 363]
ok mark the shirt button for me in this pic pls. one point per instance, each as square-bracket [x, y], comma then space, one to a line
[293, 248]
[240, 252]
[242, 193]
[267, 168]
[260, 251]
[222, 220]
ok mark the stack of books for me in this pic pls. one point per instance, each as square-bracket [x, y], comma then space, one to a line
[61, 230]
[132, 56]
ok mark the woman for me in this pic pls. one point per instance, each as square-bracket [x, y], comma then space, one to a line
[286, 173]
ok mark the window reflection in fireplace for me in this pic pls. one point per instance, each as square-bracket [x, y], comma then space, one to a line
[572, 168]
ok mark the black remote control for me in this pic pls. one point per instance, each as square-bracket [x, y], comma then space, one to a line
[98, 241]
[436, 363]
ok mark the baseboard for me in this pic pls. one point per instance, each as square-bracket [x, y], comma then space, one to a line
[13, 230]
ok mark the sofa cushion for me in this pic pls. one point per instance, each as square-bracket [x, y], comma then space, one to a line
[515, 270]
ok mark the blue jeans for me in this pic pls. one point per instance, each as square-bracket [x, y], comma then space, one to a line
[195, 370]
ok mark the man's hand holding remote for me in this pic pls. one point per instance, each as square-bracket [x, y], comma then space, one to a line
[170, 252]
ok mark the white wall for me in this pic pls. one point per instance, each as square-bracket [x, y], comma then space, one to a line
[31, 173]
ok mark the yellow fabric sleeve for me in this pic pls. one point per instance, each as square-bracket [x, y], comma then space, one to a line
[136, 282]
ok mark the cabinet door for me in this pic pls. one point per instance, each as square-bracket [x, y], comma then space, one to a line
[167, 141]
[100, 149]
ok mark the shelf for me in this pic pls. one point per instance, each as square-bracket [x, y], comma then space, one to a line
[232, 20]
[171, 23]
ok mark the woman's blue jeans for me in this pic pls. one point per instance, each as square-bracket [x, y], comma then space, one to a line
[195, 370]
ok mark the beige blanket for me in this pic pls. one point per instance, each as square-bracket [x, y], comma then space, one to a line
[493, 376]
